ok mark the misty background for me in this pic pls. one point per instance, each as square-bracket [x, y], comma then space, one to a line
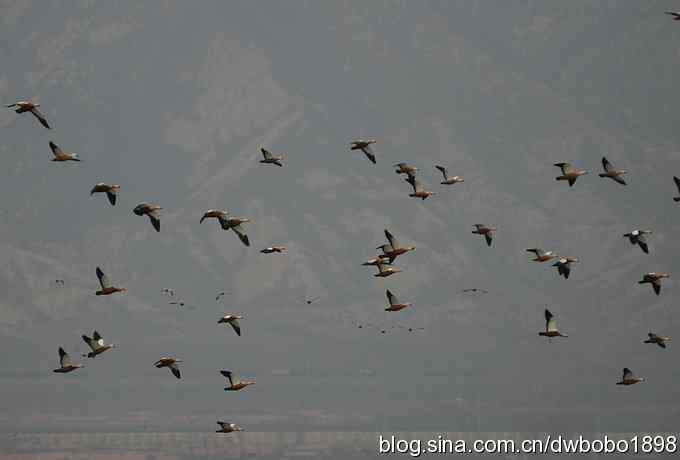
[172, 99]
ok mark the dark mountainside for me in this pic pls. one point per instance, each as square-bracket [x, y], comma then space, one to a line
[172, 99]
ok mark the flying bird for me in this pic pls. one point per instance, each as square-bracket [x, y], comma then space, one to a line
[550, 326]
[394, 249]
[541, 255]
[638, 237]
[65, 363]
[228, 427]
[152, 211]
[564, 266]
[61, 155]
[168, 291]
[232, 320]
[106, 287]
[59, 283]
[28, 106]
[657, 339]
[364, 146]
[96, 343]
[312, 300]
[418, 189]
[379, 260]
[235, 383]
[271, 159]
[220, 295]
[170, 363]
[569, 173]
[612, 173]
[654, 279]
[629, 378]
[274, 249]
[485, 230]
[393, 303]
[449, 180]
[110, 190]
[235, 224]
[482, 291]
[219, 214]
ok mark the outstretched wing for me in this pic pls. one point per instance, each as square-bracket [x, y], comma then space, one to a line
[97, 338]
[174, 368]
[103, 279]
[90, 343]
[548, 319]
[368, 151]
[677, 182]
[155, 218]
[237, 327]
[229, 375]
[443, 171]
[628, 374]
[56, 150]
[391, 298]
[41, 118]
[112, 198]
[642, 242]
[238, 229]
[489, 238]
[392, 240]
[565, 167]
[266, 154]
[64, 358]
[606, 165]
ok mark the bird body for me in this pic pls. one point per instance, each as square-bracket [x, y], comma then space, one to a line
[449, 180]
[235, 224]
[364, 146]
[235, 384]
[384, 272]
[612, 173]
[219, 214]
[268, 158]
[110, 190]
[106, 287]
[541, 255]
[393, 249]
[232, 320]
[550, 326]
[226, 427]
[170, 363]
[274, 249]
[638, 237]
[486, 231]
[564, 266]
[569, 173]
[393, 303]
[96, 343]
[629, 378]
[418, 189]
[28, 106]
[65, 363]
[657, 339]
[654, 279]
[152, 211]
[61, 155]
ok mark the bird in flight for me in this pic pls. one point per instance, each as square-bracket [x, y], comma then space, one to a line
[232, 320]
[110, 190]
[629, 378]
[96, 343]
[170, 363]
[28, 106]
[364, 146]
[268, 158]
[485, 230]
[393, 304]
[541, 255]
[569, 173]
[563, 265]
[612, 173]
[235, 384]
[106, 287]
[654, 279]
[152, 211]
[274, 249]
[61, 155]
[226, 427]
[638, 237]
[235, 224]
[482, 291]
[550, 327]
[65, 363]
[657, 339]
[449, 180]
[418, 189]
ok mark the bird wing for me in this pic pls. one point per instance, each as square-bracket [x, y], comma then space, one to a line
[174, 368]
[392, 240]
[369, 153]
[64, 358]
[489, 238]
[112, 197]
[56, 150]
[103, 279]
[606, 165]
[677, 182]
[230, 376]
[266, 154]
[627, 374]
[155, 218]
[98, 339]
[90, 343]
[241, 234]
[537, 251]
[391, 298]
[41, 118]
[443, 171]
[548, 317]
[237, 327]
[565, 167]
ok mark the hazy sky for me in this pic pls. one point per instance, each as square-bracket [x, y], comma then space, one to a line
[171, 101]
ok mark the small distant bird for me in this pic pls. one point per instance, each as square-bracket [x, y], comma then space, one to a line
[28, 106]
[274, 249]
[677, 184]
[228, 427]
[152, 211]
[271, 159]
[219, 214]
[657, 339]
[564, 266]
[449, 180]
[66, 365]
[638, 237]
[393, 303]
[569, 173]
[384, 272]
[364, 146]
[629, 378]
[550, 326]
[232, 320]
[234, 224]
[96, 343]
[106, 287]
[541, 255]
[170, 363]
[312, 300]
[483, 291]
[61, 155]
[59, 283]
[418, 189]
[610, 172]
[654, 279]
[410, 328]
[405, 168]
[235, 383]
[177, 302]
[220, 295]
[168, 291]
[485, 230]
[394, 249]
[676, 15]
[110, 190]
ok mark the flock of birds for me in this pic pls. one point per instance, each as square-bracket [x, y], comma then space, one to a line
[383, 261]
